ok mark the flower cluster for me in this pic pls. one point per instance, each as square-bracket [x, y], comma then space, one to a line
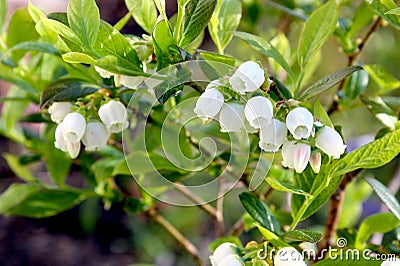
[306, 138]
[226, 254]
[73, 128]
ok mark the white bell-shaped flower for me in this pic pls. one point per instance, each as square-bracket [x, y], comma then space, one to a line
[222, 251]
[232, 118]
[232, 260]
[315, 162]
[73, 149]
[209, 104]
[103, 73]
[299, 121]
[272, 136]
[288, 256]
[295, 155]
[247, 78]
[59, 141]
[258, 111]
[330, 142]
[112, 114]
[391, 262]
[73, 127]
[131, 82]
[96, 136]
[58, 110]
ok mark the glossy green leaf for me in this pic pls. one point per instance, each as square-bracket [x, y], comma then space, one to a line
[385, 195]
[208, 56]
[281, 186]
[385, 81]
[371, 155]
[162, 38]
[170, 87]
[63, 31]
[317, 29]
[36, 46]
[260, 212]
[144, 13]
[321, 114]
[374, 224]
[65, 90]
[19, 170]
[306, 181]
[380, 110]
[84, 20]
[36, 201]
[382, 7]
[197, 15]
[395, 11]
[356, 84]
[264, 47]
[272, 237]
[303, 235]
[3, 14]
[328, 82]
[224, 22]
[7, 74]
[230, 239]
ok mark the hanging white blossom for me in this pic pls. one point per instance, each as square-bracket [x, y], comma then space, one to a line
[247, 78]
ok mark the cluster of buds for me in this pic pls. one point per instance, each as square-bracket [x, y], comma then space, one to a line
[226, 254]
[257, 115]
[73, 128]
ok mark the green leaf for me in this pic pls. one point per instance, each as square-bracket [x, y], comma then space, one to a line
[208, 56]
[385, 195]
[305, 181]
[227, 239]
[264, 47]
[371, 155]
[20, 29]
[328, 82]
[303, 235]
[197, 15]
[65, 90]
[133, 205]
[380, 110]
[63, 31]
[321, 114]
[3, 15]
[382, 8]
[395, 11]
[162, 38]
[13, 111]
[385, 81]
[281, 186]
[356, 84]
[84, 20]
[19, 170]
[260, 212]
[36, 201]
[317, 29]
[36, 46]
[374, 224]
[144, 13]
[271, 237]
[224, 22]
[170, 87]
[7, 74]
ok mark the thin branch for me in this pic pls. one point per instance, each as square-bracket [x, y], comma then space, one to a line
[219, 222]
[335, 209]
[351, 58]
[237, 228]
[200, 203]
[181, 239]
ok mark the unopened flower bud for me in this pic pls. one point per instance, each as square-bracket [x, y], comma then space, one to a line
[96, 136]
[315, 162]
[112, 114]
[73, 149]
[288, 256]
[232, 118]
[258, 111]
[58, 110]
[73, 127]
[299, 121]
[330, 142]
[209, 104]
[247, 78]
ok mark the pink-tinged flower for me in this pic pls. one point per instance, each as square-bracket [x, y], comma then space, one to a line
[272, 136]
[232, 118]
[258, 111]
[96, 136]
[295, 155]
[315, 162]
[113, 115]
[209, 104]
[330, 142]
[247, 78]
[58, 110]
[73, 127]
[299, 121]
